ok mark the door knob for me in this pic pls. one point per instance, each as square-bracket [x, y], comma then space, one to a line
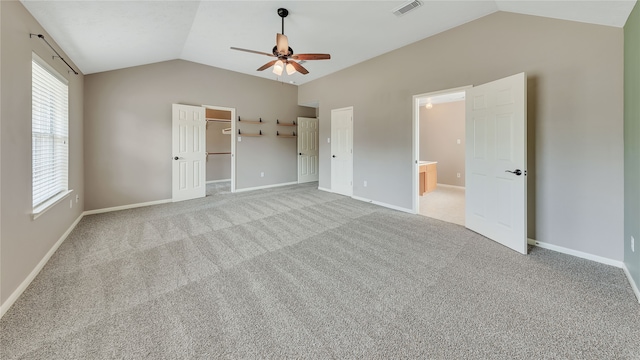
[299, 153]
[333, 156]
[517, 172]
[176, 158]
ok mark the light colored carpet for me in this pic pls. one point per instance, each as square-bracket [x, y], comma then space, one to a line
[294, 272]
[445, 203]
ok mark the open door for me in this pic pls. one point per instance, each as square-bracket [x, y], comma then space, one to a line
[496, 161]
[189, 152]
[307, 150]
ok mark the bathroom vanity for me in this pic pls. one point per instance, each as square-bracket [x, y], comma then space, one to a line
[428, 176]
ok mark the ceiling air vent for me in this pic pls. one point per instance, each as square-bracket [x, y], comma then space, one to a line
[407, 7]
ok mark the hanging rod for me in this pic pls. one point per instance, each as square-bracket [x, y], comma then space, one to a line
[54, 50]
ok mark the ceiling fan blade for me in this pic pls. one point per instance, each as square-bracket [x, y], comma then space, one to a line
[282, 43]
[299, 68]
[267, 65]
[252, 51]
[311, 56]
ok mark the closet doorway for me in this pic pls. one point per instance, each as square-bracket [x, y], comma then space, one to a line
[221, 150]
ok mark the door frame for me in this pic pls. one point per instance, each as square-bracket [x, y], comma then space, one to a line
[415, 206]
[233, 140]
[351, 154]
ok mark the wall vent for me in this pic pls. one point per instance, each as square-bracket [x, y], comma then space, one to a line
[407, 7]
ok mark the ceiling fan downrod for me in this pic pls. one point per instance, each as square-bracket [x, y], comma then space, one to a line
[282, 12]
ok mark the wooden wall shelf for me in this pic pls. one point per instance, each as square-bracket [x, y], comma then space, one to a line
[250, 121]
[241, 134]
[285, 124]
[286, 135]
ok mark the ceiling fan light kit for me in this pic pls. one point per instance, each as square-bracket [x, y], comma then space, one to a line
[284, 54]
[277, 67]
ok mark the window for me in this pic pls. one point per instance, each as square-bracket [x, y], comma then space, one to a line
[49, 134]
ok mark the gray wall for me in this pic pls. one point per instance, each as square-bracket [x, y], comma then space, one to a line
[632, 143]
[575, 88]
[128, 128]
[23, 241]
[440, 128]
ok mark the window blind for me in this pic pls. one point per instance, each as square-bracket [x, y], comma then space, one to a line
[50, 133]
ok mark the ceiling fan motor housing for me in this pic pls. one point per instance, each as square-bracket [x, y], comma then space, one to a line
[276, 53]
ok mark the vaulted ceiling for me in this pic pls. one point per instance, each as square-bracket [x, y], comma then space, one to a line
[106, 35]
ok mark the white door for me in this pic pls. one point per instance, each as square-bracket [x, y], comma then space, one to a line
[307, 150]
[496, 161]
[342, 151]
[189, 152]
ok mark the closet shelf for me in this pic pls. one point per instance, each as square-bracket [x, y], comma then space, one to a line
[285, 124]
[218, 120]
[218, 153]
[250, 122]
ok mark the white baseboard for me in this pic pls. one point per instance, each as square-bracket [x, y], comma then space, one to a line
[25, 284]
[266, 186]
[451, 186]
[125, 207]
[217, 181]
[576, 253]
[324, 189]
[633, 283]
[394, 207]
[596, 258]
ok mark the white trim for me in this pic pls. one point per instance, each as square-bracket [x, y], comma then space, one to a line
[325, 189]
[217, 181]
[267, 186]
[633, 283]
[451, 186]
[25, 284]
[576, 253]
[587, 256]
[394, 207]
[42, 208]
[125, 207]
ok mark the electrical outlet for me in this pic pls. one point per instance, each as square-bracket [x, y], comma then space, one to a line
[239, 139]
[633, 244]
[458, 141]
[458, 174]
[262, 174]
[365, 183]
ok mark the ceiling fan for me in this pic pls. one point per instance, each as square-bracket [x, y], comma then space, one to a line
[284, 54]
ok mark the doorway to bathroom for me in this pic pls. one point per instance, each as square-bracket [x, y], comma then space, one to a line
[440, 150]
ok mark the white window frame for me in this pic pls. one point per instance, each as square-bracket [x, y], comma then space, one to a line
[49, 186]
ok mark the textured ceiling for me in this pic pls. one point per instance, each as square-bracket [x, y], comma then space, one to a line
[106, 35]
